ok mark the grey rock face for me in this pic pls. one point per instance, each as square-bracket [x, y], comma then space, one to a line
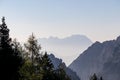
[58, 62]
[100, 58]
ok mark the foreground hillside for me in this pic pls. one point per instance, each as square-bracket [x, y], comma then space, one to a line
[100, 58]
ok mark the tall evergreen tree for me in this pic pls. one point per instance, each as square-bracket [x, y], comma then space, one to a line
[47, 67]
[10, 61]
[33, 48]
[94, 77]
[49, 73]
[101, 78]
[31, 68]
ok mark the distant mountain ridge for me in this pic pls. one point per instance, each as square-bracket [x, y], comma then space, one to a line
[100, 58]
[66, 48]
[58, 62]
[74, 40]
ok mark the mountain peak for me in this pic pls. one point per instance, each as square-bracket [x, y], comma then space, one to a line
[100, 58]
[97, 43]
[118, 39]
[58, 63]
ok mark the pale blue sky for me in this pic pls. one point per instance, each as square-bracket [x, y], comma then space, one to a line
[97, 19]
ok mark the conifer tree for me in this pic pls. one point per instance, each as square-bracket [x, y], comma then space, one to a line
[49, 73]
[33, 48]
[101, 78]
[47, 67]
[10, 61]
[94, 77]
[31, 68]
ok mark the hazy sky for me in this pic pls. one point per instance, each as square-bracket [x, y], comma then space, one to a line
[97, 19]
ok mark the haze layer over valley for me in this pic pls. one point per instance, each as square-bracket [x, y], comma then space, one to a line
[68, 48]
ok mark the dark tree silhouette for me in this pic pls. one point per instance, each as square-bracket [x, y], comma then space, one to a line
[94, 77]
[10, 60]
[101, 78]
[49, 73]
[47, 67]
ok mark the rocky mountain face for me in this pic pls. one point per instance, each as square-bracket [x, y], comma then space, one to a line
[58, 62]
[67, 48]
[100, 58]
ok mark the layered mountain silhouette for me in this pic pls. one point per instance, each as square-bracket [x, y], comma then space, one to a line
[58, 62]
[66, 48]
[100, 58]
